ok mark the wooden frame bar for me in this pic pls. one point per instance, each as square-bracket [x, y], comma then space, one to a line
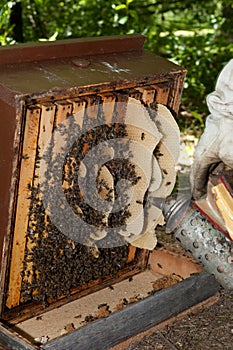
[21, 225]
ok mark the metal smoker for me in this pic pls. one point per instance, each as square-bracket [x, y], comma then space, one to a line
[199, 237]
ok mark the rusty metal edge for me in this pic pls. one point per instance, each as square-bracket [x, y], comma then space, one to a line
[80, 47]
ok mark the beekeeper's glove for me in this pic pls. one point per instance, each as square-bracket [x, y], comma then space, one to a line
[216, 143]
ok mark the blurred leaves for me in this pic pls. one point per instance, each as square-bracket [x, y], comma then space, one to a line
[5, 27]
[196, 34]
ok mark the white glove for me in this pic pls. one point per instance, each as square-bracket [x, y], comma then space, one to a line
[216, 143]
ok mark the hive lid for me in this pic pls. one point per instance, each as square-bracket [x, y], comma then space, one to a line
[42, 67]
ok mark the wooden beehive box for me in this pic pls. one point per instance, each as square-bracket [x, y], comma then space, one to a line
[40, 86]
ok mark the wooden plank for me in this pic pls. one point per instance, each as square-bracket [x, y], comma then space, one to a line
[78, 110]
[13, 341]
[64, 109]
[162, 93]
[132, 92]
[176, 93]
[107, 332]
[45, 133]
[23, 204]
[80, 47]
[46, 124]
[131, 254]
[92, 107]
[121, 107]
[167, 261]
[148, 94]
[108, 106]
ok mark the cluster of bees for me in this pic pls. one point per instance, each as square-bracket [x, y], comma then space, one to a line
[55, 265]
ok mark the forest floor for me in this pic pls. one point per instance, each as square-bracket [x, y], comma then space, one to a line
[208, 328]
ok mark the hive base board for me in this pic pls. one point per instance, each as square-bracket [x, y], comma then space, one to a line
[131, 319]
[134, 340]
[80, 312]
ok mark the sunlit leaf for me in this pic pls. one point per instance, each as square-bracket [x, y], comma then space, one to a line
[123, 20]
[198, 117]
[120, 7]
[54, 36]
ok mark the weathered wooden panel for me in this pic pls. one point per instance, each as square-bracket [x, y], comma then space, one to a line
[11, 340]
[71, 48]
[105, 333]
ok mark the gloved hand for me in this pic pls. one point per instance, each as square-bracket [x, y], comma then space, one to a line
[216, 143]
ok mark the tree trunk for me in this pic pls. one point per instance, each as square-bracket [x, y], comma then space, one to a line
[17, 22]
[227, 14]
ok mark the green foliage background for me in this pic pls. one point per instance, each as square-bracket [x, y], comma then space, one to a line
[196, 34]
